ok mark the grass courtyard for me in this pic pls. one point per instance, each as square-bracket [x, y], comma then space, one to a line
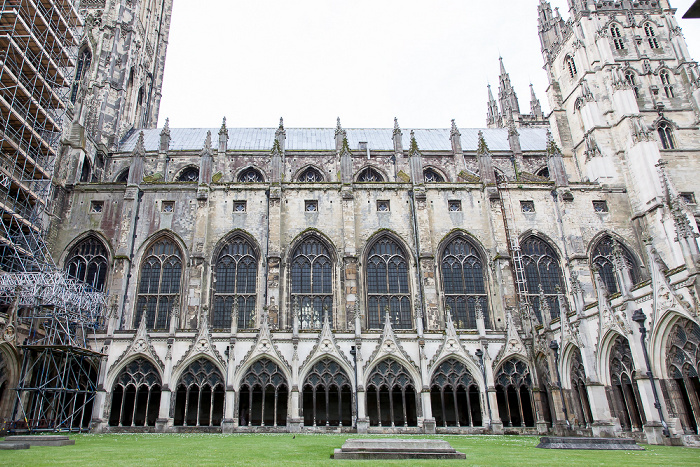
[283, 449]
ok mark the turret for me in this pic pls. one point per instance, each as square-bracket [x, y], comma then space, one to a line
[493, 116]
[506, 95]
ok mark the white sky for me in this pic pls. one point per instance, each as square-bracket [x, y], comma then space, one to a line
[366, 61]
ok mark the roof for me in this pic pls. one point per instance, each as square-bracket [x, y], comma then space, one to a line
[323, 139]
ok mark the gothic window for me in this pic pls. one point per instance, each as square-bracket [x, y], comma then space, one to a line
[604, 255]
[626, 402]
[570, 65]
[683, 364]
[190, 174]
[136, 395]
[543, 276]
[86, 172]
[543, 172]
[387, 285]
[123, 177]
[391, 396]
[310, 175]
[82, 66]
[235, 285]
[454, 395]
[369, 175]
[666, 136]
[199, 398]
[87, 262]
[514, 394]
[327, 395]
[263, 395]
[312, 283]
[617, 37]
[631, 80]
[159, 287]
[464, 284]
[250, 176]
[432, 176]
[666, 83]
[651, 36]
[582, 406]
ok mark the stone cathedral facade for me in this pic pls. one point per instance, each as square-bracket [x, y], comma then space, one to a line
[396, 280]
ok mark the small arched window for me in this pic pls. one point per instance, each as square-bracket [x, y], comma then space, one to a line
[369, 175]
[81, 69]
[631, 80]
[651, 36]
[570, 65]
[617, 37]
[87, 262]
[310, 175]
[86, 173]
[159, 287]
[543, 275]
[432, 176]
[236, 277]
[123, 177]
[464, 284]
[312, 283]
[605, 253]
[666, 135]
[666, 83]
[190, 174]
[387, 285]
[543, 172]
[250, 176]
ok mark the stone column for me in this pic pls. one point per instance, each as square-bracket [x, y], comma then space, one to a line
[362, 420]
[280, 314]
[230, 421]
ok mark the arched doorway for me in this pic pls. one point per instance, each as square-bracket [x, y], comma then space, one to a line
[579, 392]
[199, 399]
[263, 395]
[327, 395]
[454, 395]
[391, 396]
[136, 395]
[545, 387]
[514, 394]
[682, 363]
[625, 394]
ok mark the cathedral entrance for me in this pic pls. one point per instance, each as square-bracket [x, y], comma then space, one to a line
[327, 396]
[136, 395]
[454, 396]
[682, 362]
[263, 395]
[514, 394]
[391, 396]
[624, 387]
[199, 399]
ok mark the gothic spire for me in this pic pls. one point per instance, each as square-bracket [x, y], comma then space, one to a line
[506, 94]
[535, 106]
[492, 113]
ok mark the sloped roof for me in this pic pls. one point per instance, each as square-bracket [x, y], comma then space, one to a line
[323, 139]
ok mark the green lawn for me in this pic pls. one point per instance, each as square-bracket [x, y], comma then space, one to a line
[244, 449]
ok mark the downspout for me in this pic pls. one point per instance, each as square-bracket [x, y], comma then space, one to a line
[411, 195]
[267, 248]
[131, 256]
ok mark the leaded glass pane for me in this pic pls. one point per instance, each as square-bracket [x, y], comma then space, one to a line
[387, 285]
[464, 285]
[159, 285]
[236, 278]
[312, 283]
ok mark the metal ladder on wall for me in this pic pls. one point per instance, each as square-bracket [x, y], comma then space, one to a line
[512, 237]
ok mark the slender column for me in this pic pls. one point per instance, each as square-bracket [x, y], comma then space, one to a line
[211, 408]
[121, 408]
[199, 404]
[340, 406]
[469, 408]
[262, 417]
[187, 406]
[520, 407]
[403, 401]
[391, 406]
[250, 406]
[379, 410]
[133, 411]
[442, 401]
[454, 397]
[510, 420]
[313, 396]
[274, 413]
[148, 405]
[327, 407]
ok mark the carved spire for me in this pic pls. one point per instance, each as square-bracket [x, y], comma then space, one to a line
[136, 169]
[506, 94]
[397, 137]
[483, 157]
[223, 137]
[165, 136]
[140, 148]
[340, 136]
[413, 150]
[281, 135]
[455, 139]
[535, 106]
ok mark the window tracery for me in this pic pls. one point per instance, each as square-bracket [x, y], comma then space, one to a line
[312, 283]
[617, 37]
[666, 135]
[543, 275]
[390, 384]
[432, 176]
[190, 174]
[235, 285]
[199, 399]
[327, 395]
[387, 285]
[87, 262]
[606, 252]
[369, 175]
[136, 395]
[454, 395]
[263, 395]
[625, 393]
[250, 176]
[464, 283]
[159, 287]
[310, 175]
[514, 393]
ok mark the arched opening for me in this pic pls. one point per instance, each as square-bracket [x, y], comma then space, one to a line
[263, 395]
[546, 401]
[327, 395]
[82, 66]
[432, 176]
[136, 395]
[464, 284]
[682, 363]
[369, 175]
[310, 175]
[391, 396]
[606, 254]
[123, 177]
[543, 275]
[666, 135]
[189, 175]
[624, 387]
[86, 173]
[514, 394]
[579, 392]
[387, 285]
[199, 397]
[454, 396]
[87, 262]
[312, 283]
[235, 285]
[250, 176]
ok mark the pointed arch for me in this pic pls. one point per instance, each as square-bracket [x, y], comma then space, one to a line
[309, 174]
[513, 381]
[625, 394]
[432, 174]
[123, 176]
[370, 174]
[455, 394]
[189, 173]
[616, 34]
[664, 129]
[543, 273]
[199, 393]
[326, 393]
[82, 68]
[135, 393]
[602, 254]
[88, 259]
[250, 174]
[264, 393]
[391, 394]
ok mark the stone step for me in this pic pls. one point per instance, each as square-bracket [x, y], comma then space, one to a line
[612, 444]
[41, 440]
[393, 448]
[10, 446]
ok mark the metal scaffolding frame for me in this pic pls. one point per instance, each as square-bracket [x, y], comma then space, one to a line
[38, 51]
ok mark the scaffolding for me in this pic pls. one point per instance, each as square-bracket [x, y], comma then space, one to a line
[38, 50]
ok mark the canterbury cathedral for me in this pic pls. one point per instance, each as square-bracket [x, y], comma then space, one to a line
[537, 275]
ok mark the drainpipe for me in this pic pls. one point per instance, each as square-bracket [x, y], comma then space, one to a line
[411, 195]
[267, 248]
[131, 257]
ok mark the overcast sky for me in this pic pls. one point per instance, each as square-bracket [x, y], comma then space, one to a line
[366, 61]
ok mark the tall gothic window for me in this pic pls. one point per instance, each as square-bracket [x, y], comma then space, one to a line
[626, 402]
[159, 287]
[236, 278]
[312, 283]
[87, 262]
[514, 394]
[665, 77]
[136, 395]
[263, 395]
[327, 395]
[432, 176]
[604, 255]
[454, 395]
[387, 285]
[250, 176]
[543, 275]
[617, 37]
[391, 396]
[190, 174]
[632, 81]
[683, 364]
[369, 175]
[311, 175]
[582, 405]
[666, 135]
[81, 68]
[651, 36]
[199, 398]
[570, 65]
[463, 282]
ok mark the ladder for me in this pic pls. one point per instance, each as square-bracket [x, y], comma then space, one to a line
[512, 237]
